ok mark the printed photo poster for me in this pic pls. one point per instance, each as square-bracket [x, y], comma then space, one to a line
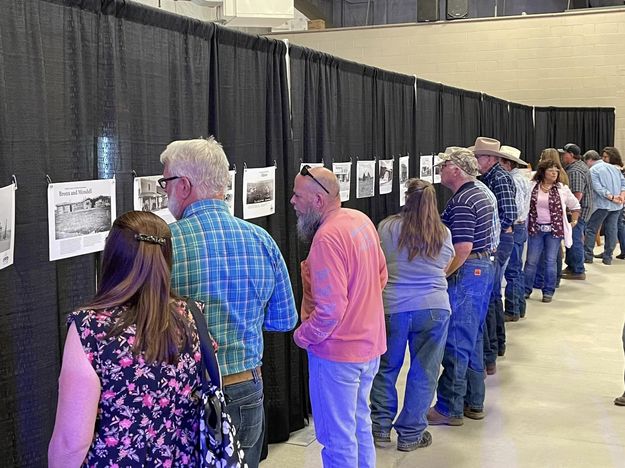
[365, 183]
[403, 178]
[437, 169]
[80, 215]
[7, 225]
[229, 196]
[259, 192]
[426, 171]
[343, 172]
[385, 170]
[147, 195]
[310, 164]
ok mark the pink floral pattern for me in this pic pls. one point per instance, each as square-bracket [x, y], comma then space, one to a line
[148, 414]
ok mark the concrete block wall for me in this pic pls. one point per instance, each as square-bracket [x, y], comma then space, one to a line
[565, 59]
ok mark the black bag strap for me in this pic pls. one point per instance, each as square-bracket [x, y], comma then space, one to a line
[209, 360]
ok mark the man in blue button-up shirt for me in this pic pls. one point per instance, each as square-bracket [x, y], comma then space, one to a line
[608, 191]
[236, 268]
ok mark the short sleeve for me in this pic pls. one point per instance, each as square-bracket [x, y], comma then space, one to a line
[90, 332]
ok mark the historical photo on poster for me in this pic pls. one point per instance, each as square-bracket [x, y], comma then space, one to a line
[403, 178]
[259, 192]
[149, 196]
[229, 197]
[385, 169]
[310, 165]
[343, 171]
[437, 169]
[425, 168]
[366, 179]
[7, 225]
[80, 215]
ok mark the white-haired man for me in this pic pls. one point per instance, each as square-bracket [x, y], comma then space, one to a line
[236, 268]
[342, 316]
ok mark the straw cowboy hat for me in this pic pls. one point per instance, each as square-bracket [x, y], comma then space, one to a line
[486, 147]
[512, 154]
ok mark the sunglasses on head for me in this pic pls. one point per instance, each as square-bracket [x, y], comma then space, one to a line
[305, 172]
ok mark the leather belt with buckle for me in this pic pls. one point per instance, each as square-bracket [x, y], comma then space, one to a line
[482, 254]
[241, 376]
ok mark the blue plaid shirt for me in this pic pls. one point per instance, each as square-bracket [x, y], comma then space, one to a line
[501, 184]
[236, 268]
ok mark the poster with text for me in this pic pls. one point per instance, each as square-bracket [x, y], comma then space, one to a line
[385, 169]
[311, 165]
[425, 168]
[365, 183]
[403, 178]
[149, 196]
[80, 215]
[343, 172]
[229, 196]
[259, 192]
[437, 169]
[7, 225]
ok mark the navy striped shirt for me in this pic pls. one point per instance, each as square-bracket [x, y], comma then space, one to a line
[469, 217]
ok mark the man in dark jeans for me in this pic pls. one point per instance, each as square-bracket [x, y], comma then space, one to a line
[498, 181]
[581, 185]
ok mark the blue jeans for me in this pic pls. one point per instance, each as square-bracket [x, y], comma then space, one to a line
[609, 219]
[536, 245]
[494, 329]
[515, 280]
[621, 231]
[575, 254]
[539, 279]
[425, 331]
[463, 360]
[245, 407]
[339, 395]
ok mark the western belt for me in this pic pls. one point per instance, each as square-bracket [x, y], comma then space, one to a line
[241, 376]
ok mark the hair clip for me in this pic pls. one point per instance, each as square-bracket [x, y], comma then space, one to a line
[150, 239]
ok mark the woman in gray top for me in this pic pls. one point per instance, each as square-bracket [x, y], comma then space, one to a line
[418, 248]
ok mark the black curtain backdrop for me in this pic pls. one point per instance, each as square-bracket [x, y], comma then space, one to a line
[589, 128]
[97, 89]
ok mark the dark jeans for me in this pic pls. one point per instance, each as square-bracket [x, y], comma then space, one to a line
[575, 254]
[494, 329]
[621, 231]
[425, 332]
[245, 407]
[515, 280]
[462, 378]
[542, 242]
[609, 219]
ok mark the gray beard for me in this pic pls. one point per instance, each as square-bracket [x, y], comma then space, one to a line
[307, 225]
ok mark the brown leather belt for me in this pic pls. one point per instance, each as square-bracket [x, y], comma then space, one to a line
[241, 376]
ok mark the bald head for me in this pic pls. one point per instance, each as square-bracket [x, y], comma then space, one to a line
[327, 178]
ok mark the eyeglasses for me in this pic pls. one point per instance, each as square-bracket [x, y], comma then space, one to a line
[163, 181]
[306, 172]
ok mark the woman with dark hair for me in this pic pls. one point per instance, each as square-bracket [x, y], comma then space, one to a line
[548, 225]
[418, 249]
[129, 383]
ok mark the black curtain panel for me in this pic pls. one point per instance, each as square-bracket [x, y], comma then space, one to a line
[495, 117]
[589, 128]
[520, 131]
[47, 83]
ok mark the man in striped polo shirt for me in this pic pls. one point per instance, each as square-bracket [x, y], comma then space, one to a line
[469, 215]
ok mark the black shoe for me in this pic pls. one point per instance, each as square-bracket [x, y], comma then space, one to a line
[382, 439]
[547, 298]
[501, 351]
[607, 261]
[599, 255]
[510, 318]
[621, 256]
[425, 441]
[588, 260]
[574, 276]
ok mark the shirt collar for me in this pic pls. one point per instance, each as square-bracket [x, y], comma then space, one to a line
[209, 204]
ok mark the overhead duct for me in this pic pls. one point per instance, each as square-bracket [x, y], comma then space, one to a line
[250, 13]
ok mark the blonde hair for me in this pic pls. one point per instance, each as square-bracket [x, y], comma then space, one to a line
[422, 231]
[552, 154]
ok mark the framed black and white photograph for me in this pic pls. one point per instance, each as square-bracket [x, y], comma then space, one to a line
[80, 215]
[149, 196]
[365, 184]
[259, 192]
[343, 171]
[437, 169]
[404, 162]
[425, 168]
[385, 175]
[229, 195]
[7, 225]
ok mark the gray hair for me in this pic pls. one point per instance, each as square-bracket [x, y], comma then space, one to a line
[591, 155]
[203, 161]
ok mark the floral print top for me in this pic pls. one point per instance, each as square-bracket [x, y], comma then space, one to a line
[148, 414]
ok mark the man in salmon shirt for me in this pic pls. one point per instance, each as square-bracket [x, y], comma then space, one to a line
[342, 316]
